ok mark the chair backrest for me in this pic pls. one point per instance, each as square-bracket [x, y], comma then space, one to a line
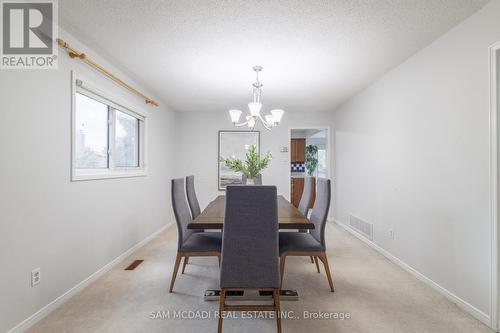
[305, 199]
[320, 210]
[258, 179]
[181, 210]
[250, 238]
[191, 196]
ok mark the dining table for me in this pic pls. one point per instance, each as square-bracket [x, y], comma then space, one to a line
[212, 217]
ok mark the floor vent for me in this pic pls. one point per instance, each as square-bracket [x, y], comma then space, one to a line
[364, 228]
[134, 265]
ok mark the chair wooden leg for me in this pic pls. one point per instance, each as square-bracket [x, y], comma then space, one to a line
[317, 264]
[222, 300]
[312, 259]
[277, 311]
[324, 259]
[176, 268]
[282, 270]
[186, 260]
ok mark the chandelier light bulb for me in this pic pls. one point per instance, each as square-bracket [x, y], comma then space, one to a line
[251, 122]
[277, 114]
[254, 109]
[235, 115]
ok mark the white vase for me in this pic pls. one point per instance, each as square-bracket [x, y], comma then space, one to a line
[250, 181]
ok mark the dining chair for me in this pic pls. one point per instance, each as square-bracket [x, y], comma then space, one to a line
[250, 247]
[305, 203]
[190, 244]
[310, 244]
[258, 179]
[194, 206]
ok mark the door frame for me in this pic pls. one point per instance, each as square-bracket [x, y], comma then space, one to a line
[494, 50]
[329, 156]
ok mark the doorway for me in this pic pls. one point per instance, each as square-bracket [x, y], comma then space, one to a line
[495, 187]
[309, 157]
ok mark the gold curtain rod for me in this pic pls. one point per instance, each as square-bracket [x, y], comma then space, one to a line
[80, 55]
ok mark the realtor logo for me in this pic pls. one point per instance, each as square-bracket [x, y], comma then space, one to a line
[28, 34]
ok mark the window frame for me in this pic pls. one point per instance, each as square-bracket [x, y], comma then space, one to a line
[83, 86]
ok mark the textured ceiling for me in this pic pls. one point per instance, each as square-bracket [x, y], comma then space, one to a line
[197, 55]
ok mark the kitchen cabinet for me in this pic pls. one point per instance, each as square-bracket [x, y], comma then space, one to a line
[298, 150]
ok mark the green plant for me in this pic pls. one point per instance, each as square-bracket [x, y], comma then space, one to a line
[311, 159]
[253, 165]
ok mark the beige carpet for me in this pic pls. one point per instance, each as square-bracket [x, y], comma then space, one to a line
[378, 296]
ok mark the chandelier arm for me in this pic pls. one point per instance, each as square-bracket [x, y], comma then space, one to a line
[267, 127]
[265, 123]
[241, 124]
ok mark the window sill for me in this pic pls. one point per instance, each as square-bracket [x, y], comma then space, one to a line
[93, 175]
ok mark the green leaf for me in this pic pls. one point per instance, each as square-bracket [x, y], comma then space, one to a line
[311, 159]
[253, 164]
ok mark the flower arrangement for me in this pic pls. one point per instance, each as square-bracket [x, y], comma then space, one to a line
[252, 166]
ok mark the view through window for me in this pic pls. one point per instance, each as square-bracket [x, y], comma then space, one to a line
[126, 140]
[91, 127]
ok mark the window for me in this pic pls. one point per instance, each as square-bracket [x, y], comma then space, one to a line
[322, 172]
[108, 139]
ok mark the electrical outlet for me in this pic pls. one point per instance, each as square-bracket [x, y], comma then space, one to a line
[35, 277]
[391, 234]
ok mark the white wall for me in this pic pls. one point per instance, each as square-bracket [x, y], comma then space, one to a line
[412, 154]
[69, 229]
[197, 140]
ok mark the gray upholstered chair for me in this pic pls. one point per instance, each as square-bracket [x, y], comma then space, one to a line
[194, 206]
[250, 247]
[305, 204]
[258, 179]
[190, 244]
[310, 244]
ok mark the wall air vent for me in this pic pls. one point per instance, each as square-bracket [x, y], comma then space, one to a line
[362, 227]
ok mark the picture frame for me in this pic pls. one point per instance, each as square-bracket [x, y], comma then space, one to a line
[233, 143]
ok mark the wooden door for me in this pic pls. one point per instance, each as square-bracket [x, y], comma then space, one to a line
[293, 150]
[301, 150]
[298, 150]
[297, 189]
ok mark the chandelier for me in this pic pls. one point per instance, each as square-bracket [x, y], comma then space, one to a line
[269, 120]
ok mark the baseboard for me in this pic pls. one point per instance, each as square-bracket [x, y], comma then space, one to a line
[40, 314]
[476, 313]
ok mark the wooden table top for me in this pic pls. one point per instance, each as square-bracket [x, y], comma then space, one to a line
[212, 217]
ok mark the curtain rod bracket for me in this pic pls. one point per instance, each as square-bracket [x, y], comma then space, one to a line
[74, 55]
[80, 55]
